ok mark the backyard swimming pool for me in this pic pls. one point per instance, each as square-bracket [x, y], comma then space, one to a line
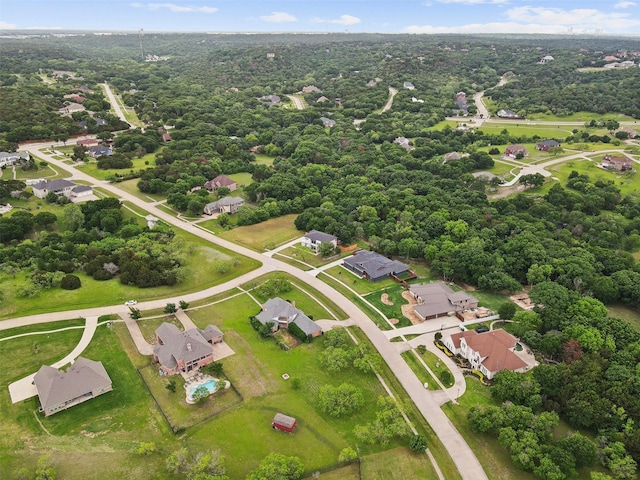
[211, 385]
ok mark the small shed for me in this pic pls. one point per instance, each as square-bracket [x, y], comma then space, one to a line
[283, 422]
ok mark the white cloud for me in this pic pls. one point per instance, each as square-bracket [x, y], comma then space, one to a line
[496, 27]
[279, 17]
[583, 18]
[475, 2]
[346, 20]
[175, 8]
[624, 4]
[7, 26]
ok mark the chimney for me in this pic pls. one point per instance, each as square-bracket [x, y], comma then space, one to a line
[189, 346]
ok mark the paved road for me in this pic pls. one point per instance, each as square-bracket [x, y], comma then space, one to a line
[392, 93]
[297, 102]
[427, 402]
[114, 103]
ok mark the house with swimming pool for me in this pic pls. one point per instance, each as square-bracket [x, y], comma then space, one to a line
[177, 351]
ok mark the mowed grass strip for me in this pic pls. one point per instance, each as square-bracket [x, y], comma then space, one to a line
[266, 235]
[397, 464]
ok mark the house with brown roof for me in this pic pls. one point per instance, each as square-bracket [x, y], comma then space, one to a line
[489, 352]
[514, 150]
[221, 181]
[437, 299]
[178, 351]
[58, 390]
[621, 164]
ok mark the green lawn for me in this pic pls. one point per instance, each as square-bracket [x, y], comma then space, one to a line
[131, 186]
[626, 182]
[242, 178]
[91, 438]
[91, 167]
[306, 255]
[626, 313]
[262, 159]
[148, 326]
[398, 464]
[41, 327]
[580, 117]
[360, 285]
[394, 296]
[436, 366]
[423, 375]
[200, 274]
[543, 131]
[265, 235]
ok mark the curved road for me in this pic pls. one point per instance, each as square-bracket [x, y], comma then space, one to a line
[296, 101]
[428, 404]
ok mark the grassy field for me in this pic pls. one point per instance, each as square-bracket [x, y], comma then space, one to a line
[93, 437]
[265, 235]
[42, 327]
[626, 182]
[398, 464]
[626, 313]
[200, 274]
[131, 186]
[517, 129]
[360, 285]
[262, 159]
[91, 168]
[394, 294]
[436, 366]
[242, 179]
[580, 117]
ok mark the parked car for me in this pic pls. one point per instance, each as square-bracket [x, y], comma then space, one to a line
[130, 303]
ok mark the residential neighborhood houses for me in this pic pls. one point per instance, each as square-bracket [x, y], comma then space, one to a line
[58, 390]
[619, 163]
[516, 151]
[373, 266]
[61, 187]
[438, 299]
[221, 181]
[224, 205]
[8, 159]
[545, 145]
[490, 352]
[282, 314]
[315, 238]
[178, 351]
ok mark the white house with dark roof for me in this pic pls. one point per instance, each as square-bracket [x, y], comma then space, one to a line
[60, 187]
[58, 390]
[315, 238]
[282, 313]
[178, 351]
[373, 266]
[8, 159]
[80, 191]
[489, 352]
[437, 299]
[225, 204]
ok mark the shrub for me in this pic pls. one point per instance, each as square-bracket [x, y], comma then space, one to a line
[297, 332]
[445, 377]
[418, 443]
[347, 454]
[421, 349]
[70, 282]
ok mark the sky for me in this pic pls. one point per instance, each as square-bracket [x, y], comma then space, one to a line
[380, 16]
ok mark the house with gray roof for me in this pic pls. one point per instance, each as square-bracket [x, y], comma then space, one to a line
[282, 313]
[315, 238]
[328, 122]
[178, 351]
[8, 159]
[99, 151]
[373, 266]
[58, 390]
[270, 100]
[437, 299]
[225, 204]
[545, 145]
[59, 187]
